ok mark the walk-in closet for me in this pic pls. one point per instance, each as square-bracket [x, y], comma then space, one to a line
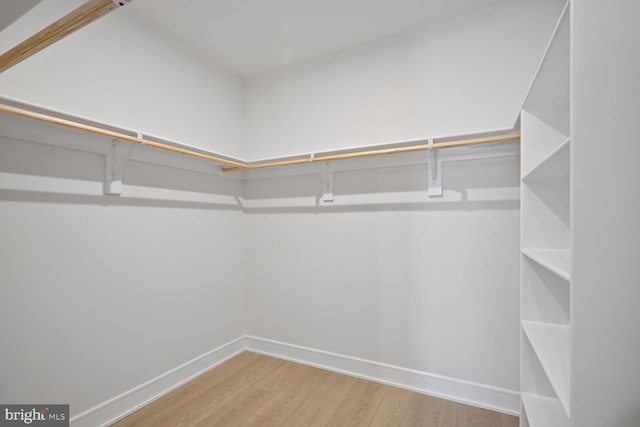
[319, 213]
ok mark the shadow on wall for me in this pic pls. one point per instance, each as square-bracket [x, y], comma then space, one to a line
[79, 199]
[34, 172]
[391, 207]
[468, 185]
[39, 173]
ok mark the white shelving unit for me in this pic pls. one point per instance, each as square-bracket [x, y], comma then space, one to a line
[545, 239]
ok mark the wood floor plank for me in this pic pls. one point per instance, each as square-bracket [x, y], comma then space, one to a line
[236, 410]
[257, 421]
[219, 398]
[468, 416]
[280, 378]
[321, 405]
[360, 406]
[293, 394]
[435, 412]
[254, 390]
[397, 409]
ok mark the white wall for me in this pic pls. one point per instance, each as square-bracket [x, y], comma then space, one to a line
[467, 74]
[99, 293]
[431, 286]
[606, 202]
[123, 71]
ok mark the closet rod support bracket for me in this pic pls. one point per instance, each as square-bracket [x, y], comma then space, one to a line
[434, 169]
[327, 182]
[114, 166]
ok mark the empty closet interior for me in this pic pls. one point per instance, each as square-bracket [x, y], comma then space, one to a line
[437, 196]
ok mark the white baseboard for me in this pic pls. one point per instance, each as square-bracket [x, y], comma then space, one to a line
[467, 392]
[122, 405]
[470, 393]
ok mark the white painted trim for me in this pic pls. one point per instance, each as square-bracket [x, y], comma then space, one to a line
[467, 392]
[122, 405]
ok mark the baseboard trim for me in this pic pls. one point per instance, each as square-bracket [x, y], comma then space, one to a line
[467, 392]
[131, 400]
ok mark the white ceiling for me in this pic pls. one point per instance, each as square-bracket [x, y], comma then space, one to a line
[254, 36]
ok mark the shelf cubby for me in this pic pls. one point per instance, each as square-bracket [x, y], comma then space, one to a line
[552, 169]
[549, 96]
[545, 216]
[551, 343]
[539, 141]
[542, 411]
[545, 294]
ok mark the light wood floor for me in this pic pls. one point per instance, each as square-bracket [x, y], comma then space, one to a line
[255, 390]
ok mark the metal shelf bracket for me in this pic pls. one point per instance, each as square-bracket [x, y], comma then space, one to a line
[327, 182]
[115, 167]
[434, 169]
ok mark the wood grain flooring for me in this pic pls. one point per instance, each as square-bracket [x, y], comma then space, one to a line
[255, 390]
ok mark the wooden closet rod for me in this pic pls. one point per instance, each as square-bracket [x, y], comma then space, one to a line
[239, 165]
[117, 135]
[73, 21]
[384, 151]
